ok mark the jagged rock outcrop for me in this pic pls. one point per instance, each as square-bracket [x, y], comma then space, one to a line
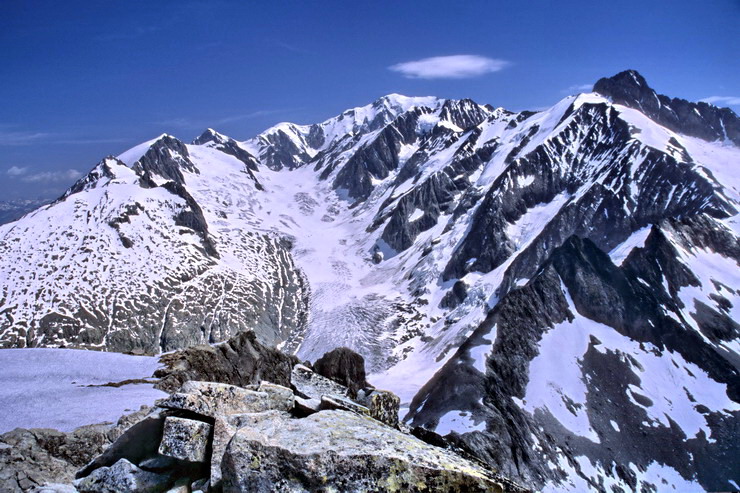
[123, 476]
[242, 361]
[381, 404]
[312, 385]
[166, 158]
[345, 367]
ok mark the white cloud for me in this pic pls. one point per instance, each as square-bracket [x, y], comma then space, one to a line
[16, 170]
[190, 123]
[722, 100]
[578, 88]
[51, 176]
[83, 141]
[449, 67]
[20, 138]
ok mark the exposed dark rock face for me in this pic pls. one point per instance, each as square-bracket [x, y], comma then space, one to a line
[192, 217]
[377, 159]
[240, 361]
[281, 150]
[580, 285]
[696, 119]
[168, 158]
[100, 172]
[344, 366]
[606, 213]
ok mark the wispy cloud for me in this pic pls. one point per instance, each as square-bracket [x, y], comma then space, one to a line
[10, 137]
[51, 176]
[19, 138]
[123, 34]
[293, 48]
[27, 175]
[578, 88]
[16, 171]
[199, 123]
[722, 100]
[83, 141]
[449, 67]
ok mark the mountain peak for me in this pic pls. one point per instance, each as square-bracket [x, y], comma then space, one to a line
[404, 103]
[210, 135]
[625, 87]
[630, 89]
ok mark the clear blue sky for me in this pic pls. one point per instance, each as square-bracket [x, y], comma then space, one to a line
[81, 80]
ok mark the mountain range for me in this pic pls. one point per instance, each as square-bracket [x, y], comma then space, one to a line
[557, 292]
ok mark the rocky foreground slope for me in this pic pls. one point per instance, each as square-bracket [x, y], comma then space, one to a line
[542, 287]
[263, 437]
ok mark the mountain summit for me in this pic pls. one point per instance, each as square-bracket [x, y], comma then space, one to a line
[702, 120]
[554, 291]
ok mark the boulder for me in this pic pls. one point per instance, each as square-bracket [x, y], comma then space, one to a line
[200, 486]
[383, 405]
[312, 385]
[279, 397]
[342, 451]
[25, 462]
[220, 399]
[345, 367]
[333, 402]
[225, 428]
[241, 360]
[305, 407]
[185, 439]
[122, 477]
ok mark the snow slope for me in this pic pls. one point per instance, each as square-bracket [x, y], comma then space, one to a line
[61, 388]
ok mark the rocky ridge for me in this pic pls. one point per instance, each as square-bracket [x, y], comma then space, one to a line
[212, 436]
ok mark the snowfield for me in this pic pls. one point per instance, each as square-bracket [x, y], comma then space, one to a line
[50, 388]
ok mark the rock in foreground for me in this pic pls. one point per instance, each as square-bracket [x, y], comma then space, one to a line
[342, 451]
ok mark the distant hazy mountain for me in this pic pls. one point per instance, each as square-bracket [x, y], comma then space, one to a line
[557, 290]
[11, 210]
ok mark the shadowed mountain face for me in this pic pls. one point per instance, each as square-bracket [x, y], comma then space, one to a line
[556, 291]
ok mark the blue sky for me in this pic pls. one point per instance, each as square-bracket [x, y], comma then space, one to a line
[81, 80]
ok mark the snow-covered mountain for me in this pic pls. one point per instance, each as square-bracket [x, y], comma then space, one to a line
[556, 289]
